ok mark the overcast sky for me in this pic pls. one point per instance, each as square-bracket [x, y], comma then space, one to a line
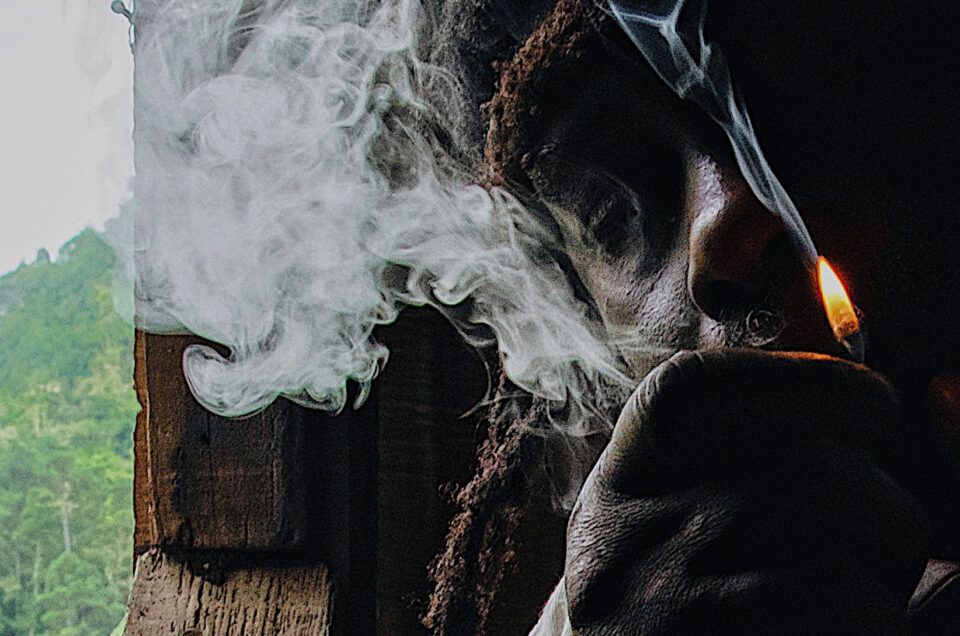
[66, 154]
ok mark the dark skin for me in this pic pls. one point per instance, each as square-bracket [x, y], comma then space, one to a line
[751, 486]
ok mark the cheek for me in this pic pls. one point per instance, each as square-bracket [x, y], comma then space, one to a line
[647, 311]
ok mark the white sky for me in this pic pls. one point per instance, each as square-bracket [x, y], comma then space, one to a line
[66, 153]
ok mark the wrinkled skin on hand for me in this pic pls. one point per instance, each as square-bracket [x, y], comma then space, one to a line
[742, 493]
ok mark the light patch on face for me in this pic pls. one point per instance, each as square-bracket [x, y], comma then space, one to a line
[644, 306]
[708, 191]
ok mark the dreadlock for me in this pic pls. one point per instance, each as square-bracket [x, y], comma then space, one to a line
[480, 544]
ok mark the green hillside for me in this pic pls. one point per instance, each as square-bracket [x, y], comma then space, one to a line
[67, 410]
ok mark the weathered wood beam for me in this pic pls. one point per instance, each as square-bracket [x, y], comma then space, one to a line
[212, 483]
[284, 485]
[168, 598]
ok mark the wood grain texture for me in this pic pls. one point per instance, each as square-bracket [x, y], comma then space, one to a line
[207, 482]
[145, 532]
[360, 492]
[252, 601]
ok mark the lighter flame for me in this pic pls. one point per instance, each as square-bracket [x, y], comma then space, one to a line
[840, 312]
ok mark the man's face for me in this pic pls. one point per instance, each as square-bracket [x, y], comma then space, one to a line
[737, 479]
[676, 251]
[711, 495]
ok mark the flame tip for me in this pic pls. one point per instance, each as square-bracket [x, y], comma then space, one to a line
[840, 311]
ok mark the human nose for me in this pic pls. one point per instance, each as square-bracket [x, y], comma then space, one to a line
[744, 257]
[741, 255]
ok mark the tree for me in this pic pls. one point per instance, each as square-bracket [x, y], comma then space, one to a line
[67, 410]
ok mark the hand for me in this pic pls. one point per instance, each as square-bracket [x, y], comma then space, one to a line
[740, 493]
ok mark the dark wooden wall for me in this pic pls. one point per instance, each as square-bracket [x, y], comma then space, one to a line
[359, 494]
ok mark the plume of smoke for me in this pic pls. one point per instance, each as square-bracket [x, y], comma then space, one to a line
[694, 70]
[288, 201]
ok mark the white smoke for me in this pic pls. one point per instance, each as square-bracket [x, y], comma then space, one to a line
[286, 204]
[701, 75]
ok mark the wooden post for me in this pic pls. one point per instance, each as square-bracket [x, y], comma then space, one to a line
[236, 507]
[250, 502]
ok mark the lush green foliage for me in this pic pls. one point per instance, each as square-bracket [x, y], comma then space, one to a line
[67, 410]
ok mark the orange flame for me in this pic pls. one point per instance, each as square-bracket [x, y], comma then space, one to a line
[840, 312]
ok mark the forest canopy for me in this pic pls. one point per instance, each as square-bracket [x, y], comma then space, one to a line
[67, 410]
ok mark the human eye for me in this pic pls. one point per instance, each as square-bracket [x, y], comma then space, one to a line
[612, 212]
[599, 208]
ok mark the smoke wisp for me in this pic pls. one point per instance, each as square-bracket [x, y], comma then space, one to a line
[670, 35]
[288, 199]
